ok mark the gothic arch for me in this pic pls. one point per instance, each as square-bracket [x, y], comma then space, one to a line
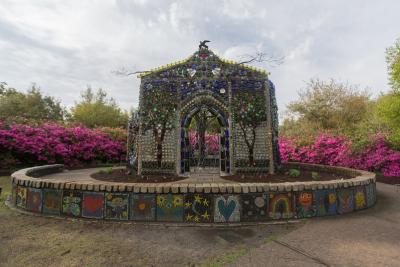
[217, 108]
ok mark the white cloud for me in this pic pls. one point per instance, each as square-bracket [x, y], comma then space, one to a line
[65, 45]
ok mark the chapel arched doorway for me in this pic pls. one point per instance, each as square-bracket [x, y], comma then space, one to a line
[204, 140]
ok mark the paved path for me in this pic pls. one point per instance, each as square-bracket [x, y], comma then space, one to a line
[206, 175]
[366, 238]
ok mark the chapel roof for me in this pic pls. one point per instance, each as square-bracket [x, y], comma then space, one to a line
[200, 53]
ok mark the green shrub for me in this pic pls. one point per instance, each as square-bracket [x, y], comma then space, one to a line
[294, 173]
[315, 175]
[106, 170]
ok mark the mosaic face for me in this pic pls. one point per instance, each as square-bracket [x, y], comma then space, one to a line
[93, 205]
[305, 199]
[143, 207]
[281, 205]
[117, 206]
[227, 208]
[325, 202]
[52, 201]
[254, 207]
[198, 208]
[34, 200]
[305, 205]
[170, 208]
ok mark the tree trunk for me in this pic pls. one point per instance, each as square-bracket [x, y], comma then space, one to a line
[251, 156]
[250, 143]
[159, 154]
[201, 121]
[159, 138]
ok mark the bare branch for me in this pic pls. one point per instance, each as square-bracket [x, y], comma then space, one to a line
[261, 57]
[124, 72]
[258, 57]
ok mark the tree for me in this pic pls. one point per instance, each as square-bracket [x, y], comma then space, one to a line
[249, 109]
[388, 111]
[158, 107]
[30, 107]
[330, 106]
[393, 61]
[202, 122]
[96, 110]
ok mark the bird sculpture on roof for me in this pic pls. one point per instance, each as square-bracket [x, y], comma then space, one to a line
[203, 44]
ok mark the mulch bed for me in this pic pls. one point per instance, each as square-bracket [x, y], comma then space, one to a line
[121, 175]
[281, 177]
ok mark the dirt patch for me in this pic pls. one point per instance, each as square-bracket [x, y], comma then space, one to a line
[121, 175]
[286, 176]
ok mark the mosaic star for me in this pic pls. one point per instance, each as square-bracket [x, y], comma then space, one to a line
[189, 217]
[206, 215]
[197, 199]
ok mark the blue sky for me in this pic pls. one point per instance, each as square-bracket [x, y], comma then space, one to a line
[63, 46]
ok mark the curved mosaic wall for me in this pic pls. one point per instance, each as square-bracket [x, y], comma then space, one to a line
[199, 203]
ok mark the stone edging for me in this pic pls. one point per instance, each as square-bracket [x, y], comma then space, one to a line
[237, 203]
[25, 177]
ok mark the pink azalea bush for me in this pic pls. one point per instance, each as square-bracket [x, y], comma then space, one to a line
[212, 142]
[53, 143]
[336, 151]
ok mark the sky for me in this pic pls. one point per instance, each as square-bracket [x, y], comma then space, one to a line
[65, 46]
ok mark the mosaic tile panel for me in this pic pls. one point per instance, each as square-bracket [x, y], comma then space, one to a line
[359, 197]
[52, 201]
[227, 208]
[71, 203]
[34, 200]
[325, 202]
[281, 205]
[14, 194]
[22, 194]
[254, 207]
[117, 206]
[305, 206]
[93, 205]
[143, 207]
[170, 208]
[198, 208]
[370, 192]
[345, 200]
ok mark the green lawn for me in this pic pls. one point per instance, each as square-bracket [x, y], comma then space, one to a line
[5, 184]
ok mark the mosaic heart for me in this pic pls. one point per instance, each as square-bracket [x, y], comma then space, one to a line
[226, 208]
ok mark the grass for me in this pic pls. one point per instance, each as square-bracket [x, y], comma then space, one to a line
[270, 239]
[107, 170]
[225, 258]
[5, 184]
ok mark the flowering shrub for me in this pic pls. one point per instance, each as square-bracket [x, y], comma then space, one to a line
[336, 151]
[53, 143]
[212, 142]
[117, 134]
